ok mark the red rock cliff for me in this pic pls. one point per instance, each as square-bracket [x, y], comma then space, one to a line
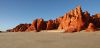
[72, 21]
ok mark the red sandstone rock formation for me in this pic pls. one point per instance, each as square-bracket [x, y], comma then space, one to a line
[86, 18]
[41, 24]
[58, 20]
[33, 27]
[37, 25]
[72, 21]
[20, 28]
[91, 27]
[96, 20]
[50, 25]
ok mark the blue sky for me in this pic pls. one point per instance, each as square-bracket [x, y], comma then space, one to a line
[14, 12]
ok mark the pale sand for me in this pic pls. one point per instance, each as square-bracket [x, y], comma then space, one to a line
[50, 40]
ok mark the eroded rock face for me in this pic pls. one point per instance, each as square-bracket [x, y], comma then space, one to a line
[20, 28]
[86, 18]
[96, 20]
[33, 27]
[41, 24]
[37, 25]
[91, 27]
[58, 20]
[72, 21]
[50, 25]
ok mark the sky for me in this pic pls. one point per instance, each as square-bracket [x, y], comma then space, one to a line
[14, 12]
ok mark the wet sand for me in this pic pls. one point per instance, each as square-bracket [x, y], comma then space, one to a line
[50, 40]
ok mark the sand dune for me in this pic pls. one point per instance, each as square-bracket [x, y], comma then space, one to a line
[50, 40]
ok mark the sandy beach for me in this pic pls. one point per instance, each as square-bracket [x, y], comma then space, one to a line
[50, 40]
